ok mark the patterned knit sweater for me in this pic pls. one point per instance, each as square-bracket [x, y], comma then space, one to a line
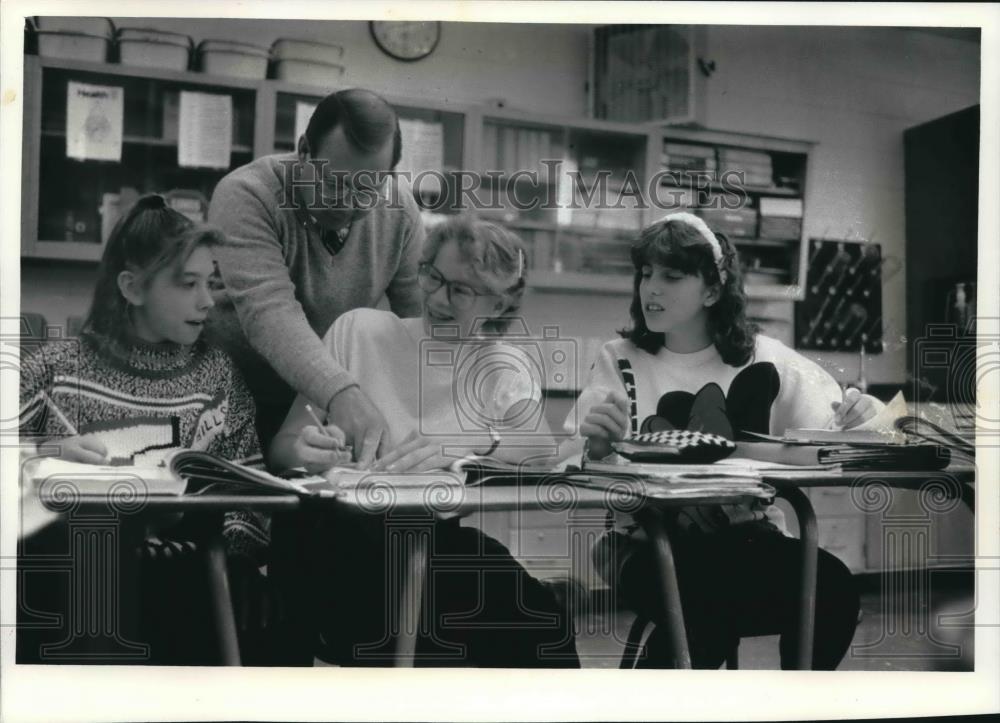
[150, 400]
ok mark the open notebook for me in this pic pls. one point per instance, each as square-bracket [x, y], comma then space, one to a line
[192, 472]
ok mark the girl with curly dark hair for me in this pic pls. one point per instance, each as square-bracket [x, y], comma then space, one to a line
[693, 361]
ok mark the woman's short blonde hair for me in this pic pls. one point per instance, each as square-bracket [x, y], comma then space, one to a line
[497, 258]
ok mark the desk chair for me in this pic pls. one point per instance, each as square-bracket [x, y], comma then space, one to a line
[633, 645]
[74, 324]
[33, 325]
[183, 556]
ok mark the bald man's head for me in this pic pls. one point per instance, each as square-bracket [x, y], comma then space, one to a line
[367, 120]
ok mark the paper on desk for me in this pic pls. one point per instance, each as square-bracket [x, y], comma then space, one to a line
[885, 421]
[882, 425]
[205, 130]
[94, 119]
[52, 474]
[34, 515]
[346, 477]
[680, 472]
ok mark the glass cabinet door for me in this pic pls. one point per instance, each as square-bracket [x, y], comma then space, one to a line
[79, 200]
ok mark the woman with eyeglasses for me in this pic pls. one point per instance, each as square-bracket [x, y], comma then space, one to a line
[448, 386]
[445, 378]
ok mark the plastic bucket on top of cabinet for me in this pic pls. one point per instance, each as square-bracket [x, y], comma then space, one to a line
[101, 27]
[152, 48]
[308, 50]
[308, 72]
[227, 57]
[74, 46]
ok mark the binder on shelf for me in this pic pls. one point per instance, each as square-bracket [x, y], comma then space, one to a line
[739, 155]
[490, 150]
[781, 207]
[508, 149]
[687, 149]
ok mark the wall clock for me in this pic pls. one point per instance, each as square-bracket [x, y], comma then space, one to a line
[406, 41]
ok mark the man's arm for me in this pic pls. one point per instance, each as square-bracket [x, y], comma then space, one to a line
[253, 268]
[403, 293]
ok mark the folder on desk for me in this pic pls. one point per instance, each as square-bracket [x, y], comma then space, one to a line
[847, 456]
[674, 481]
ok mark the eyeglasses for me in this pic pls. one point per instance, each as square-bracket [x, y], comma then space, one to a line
[460, 295]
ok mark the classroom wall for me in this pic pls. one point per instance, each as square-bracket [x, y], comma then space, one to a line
[852, 90]
[541, 68]
[531, 67]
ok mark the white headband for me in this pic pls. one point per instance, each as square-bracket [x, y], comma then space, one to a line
[706, 233]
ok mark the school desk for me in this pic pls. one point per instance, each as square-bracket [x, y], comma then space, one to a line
[957, 480]
[103, 534]
[411, 510]
[91, 515]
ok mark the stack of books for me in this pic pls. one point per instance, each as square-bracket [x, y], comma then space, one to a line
[781, 218]
[753, 166]
[845, 450]
[683, 157]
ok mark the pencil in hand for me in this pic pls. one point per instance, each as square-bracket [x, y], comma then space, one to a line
[347, 452]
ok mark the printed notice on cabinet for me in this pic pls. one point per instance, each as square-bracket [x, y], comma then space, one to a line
[303, 112]
[423, 146]
[205, 130]
[94, 117]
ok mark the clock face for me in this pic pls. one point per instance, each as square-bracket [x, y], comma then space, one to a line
[406, 40]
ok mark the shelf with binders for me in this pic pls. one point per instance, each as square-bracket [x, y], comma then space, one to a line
[573, 192]
[749, 188]
[79, 198]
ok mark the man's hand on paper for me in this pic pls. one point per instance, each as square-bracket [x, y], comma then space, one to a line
[363, 425]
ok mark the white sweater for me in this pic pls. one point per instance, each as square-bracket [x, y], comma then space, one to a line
[440, 388]
[776, 390]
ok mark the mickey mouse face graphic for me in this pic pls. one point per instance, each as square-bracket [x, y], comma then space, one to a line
[746, 408]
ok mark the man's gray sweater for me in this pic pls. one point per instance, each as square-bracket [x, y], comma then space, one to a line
[284, 288]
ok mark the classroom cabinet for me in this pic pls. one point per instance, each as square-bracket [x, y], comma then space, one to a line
[890, 530]
[577, 191]
[75, 190]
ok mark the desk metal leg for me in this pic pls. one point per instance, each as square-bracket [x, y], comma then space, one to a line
[415, 554]
[809, 535]
[222, 601]
[673, 615]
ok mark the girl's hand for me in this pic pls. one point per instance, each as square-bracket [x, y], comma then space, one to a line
[86, 448]
[415, 454]
[855, 409]
[320, 449]
[605, 423]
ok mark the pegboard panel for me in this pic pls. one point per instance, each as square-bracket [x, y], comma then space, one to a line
[843, 301]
